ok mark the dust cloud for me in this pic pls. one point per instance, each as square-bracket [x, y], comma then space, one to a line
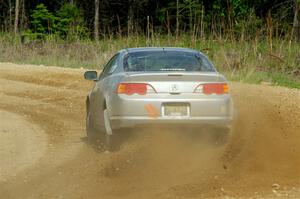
[259, 159]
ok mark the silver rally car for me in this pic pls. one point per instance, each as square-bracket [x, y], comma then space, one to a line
[156, 86]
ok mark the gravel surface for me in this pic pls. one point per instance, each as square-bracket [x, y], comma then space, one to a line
[43, 152]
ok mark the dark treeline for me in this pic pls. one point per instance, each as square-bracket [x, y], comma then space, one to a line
[107, 18]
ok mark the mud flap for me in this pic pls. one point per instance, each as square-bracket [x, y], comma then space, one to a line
[107, 126]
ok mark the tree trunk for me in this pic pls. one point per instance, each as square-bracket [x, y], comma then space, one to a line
[296, 23]
[119, 26]
[96, 22]
[191, 19]
[130, 17]
[17, 9]
[230, 19]
[10, 16]
[202, 23]
[270, 30]
[23, 16]
[168, 25]
[177, 18]
[148, 30]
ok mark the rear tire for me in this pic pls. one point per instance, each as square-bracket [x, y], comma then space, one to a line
[103, 137]
[90, 131]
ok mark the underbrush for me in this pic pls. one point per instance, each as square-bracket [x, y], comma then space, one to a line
[256, 61]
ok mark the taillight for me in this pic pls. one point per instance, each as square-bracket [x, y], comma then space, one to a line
[132, 88]
[212, 88]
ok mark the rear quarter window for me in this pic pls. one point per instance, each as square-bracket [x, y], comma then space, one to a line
[110, 66]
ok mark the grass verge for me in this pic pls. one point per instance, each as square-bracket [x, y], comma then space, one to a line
[255, 61]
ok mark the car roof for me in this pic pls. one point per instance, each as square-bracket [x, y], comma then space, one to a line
[141, 49]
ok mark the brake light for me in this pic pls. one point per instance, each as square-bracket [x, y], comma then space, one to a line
[212, 88]
[132, 88]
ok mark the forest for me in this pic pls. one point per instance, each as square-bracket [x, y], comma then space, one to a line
[239, 35]
[98, 19]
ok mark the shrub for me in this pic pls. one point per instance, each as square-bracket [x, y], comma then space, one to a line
[70, 22]
[67, 23]
[42, 21]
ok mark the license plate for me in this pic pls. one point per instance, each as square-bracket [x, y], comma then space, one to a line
[175, 110]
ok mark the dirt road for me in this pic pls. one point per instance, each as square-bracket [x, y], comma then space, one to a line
[43, 152]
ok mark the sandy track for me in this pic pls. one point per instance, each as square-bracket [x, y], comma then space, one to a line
[264, 148]
[21, 144]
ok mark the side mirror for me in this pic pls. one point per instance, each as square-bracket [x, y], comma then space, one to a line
[91, 75]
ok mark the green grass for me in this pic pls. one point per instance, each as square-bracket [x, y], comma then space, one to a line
[244, 61]
[271, 78]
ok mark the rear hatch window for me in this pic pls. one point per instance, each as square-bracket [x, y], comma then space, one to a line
[159, 61]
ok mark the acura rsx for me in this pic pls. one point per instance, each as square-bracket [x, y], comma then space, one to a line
[156, 86]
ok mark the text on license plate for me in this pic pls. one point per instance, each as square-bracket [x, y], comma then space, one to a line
[175, 110]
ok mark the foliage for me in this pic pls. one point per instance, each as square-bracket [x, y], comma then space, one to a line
[240, 9]
[188, 10]
[70, 22]
[43, 21]
[249, 40]
[221, 18]
[246, 61]
[67, 22]
[249, 26]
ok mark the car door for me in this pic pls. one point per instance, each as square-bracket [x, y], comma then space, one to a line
[98, 95]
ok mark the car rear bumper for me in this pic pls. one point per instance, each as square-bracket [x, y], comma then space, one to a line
[135, 110]
[130, 121]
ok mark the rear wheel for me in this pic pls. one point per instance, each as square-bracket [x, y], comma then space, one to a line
[90, 131]
[101, 135]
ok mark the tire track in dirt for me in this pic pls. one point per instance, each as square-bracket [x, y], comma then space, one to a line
[264, 148]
